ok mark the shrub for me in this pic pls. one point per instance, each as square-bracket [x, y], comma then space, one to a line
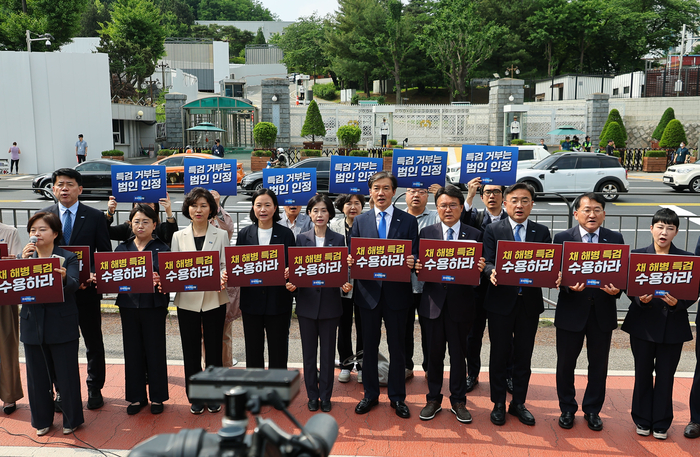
[359, 153]
[265, 134]
[324, 91]
[668, 115]
[380, 99]
[389, 152]
[166, 152]
[613, 132]
[616, 153]
[655, 153]
[349, 135]
[393, 142]
[354, 99]
[262, 153]
[517, 141]
[674, 133]
[614, 116]
[112, 153]
[311, 152]
[313, 124]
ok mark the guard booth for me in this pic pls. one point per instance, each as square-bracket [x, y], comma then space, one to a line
[234, 116]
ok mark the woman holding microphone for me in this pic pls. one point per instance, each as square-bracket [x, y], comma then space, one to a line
[143, 321]
[201, 315]
[319, 309]
[50, 334]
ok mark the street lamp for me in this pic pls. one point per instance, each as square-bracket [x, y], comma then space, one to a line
[44, 36]
[512, 70]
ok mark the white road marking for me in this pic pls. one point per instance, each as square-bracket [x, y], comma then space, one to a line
[683, 212]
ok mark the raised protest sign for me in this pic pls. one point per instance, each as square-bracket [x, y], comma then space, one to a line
[676, 275]
[318, 266]
[218, 175]
[293, 186]
[595, 264]
[521, 263]
[255, 265]
[496, 165]
[349, 175]
[138, 183]
[25, 281]
[83, 254]
[453, 262]
[380, 259]
[420, 169]
[191, 271]
[124, 272]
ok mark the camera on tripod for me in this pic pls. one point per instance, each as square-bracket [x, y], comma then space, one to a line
[244, 391]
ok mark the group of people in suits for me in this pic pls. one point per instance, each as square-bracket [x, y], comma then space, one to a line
[452, 316]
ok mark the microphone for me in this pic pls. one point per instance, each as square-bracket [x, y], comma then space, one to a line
[33, 239]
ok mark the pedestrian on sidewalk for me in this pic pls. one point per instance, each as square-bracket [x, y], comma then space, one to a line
[14, 157]
[81, 148]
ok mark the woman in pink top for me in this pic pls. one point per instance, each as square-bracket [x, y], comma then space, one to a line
[14, 150]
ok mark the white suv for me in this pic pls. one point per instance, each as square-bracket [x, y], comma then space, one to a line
[577, 172]
[683, 176]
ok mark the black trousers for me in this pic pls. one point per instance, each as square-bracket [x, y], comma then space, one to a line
[314, 332]
[14, 164]
[63, 359]
[517, 329]
[569, 345]
[441, 333]
[90, 320]
[410, 326]
[395, 323]
[384, 138]
[475, 340]
[652, 397]
[81, 158]
[276, 327]
[345, 332]
[695, 390]
[195, 326]
[143, 332]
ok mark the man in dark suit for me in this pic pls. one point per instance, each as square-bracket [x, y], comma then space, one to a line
[512, 311]
[384, 300]
[84, 226]
[589, 313]
[692, 430]
[447, 311]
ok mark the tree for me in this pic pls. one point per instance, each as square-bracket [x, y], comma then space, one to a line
[673, 135]
[458, 40]
[614, 116]
[60, 18]
[95, 13]
[259, 37]
[613, 132]
[233, 10]
[177, 17]
[396, 43]
[668, 115]
[303, 44]
[134, 41]
[313, 124]
[237, 39]
[265, 134]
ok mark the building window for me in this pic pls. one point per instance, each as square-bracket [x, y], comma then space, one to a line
[616, 91]
[626, 89]
[118, 131]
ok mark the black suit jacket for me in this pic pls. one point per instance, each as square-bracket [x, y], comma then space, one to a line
[319, 302]
[266, 300]
[501, 299]
[399, 295]
[656, 321]
[54, 323]
[573, 308]
[458, 298]
[472, 217]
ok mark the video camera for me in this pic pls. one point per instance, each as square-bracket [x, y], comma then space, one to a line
[242, 391]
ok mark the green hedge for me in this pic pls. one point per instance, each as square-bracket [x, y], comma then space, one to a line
[668, 115]
[313, 124]
[356, 98]
[349, 135]
[311, 152]
[112, 153]
[166, 152]
[359, 153]
[389, 152]
[613, 132]
[265, 134]
[655, 153]
[393, 142]
[324, 91]
[262, 153]
[674, 133]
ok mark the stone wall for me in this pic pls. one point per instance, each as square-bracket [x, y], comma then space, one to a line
[173, 120]
[500, 91]
[277, 111]
[639, 133]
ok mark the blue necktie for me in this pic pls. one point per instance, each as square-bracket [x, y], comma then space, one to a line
[450, 234]
[516, 235]
[590, 237]
[381, 228]
[67, 226]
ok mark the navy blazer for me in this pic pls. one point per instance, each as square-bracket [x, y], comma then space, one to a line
[152, 300]
[656, 321]
[266, 300]
[458, 298]
[501, 299]
[399, 295]
[573, 308]
[53, 323]
[470, 218]
[319, 302]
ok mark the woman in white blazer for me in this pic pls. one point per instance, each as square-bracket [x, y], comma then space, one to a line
[201, 315]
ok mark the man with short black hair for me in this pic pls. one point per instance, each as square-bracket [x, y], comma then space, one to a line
[218, 150]
[81, 148]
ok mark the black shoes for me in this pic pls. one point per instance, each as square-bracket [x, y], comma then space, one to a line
[498, 415]
[326, 406]
[134, 408]
[472, 381]
[521, 412]
[401, 409]
[197, 408]
[365, 405]
[313, 404]
[430, 410]
[95, 399]
[9, 408]
[156, 408]
[692, 430]
[509, 385]
[595, 423]
[566, 420]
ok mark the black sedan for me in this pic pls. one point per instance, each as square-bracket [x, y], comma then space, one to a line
[254, 181]
[97, 177]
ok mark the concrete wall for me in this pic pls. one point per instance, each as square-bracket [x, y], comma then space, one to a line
[82, 45]
[221, 61]
[254, 74]
[47, 99]
[138, 133]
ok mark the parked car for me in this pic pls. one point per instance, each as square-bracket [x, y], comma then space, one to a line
[683, 176]
[175, 168]
[577, 172]
[254, 181]
[528, 155]
[97, 177]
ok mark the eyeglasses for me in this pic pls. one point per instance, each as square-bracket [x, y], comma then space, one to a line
[492, 192]
[522, 201]
[452, 206]
[588, 211]
[417, 191]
